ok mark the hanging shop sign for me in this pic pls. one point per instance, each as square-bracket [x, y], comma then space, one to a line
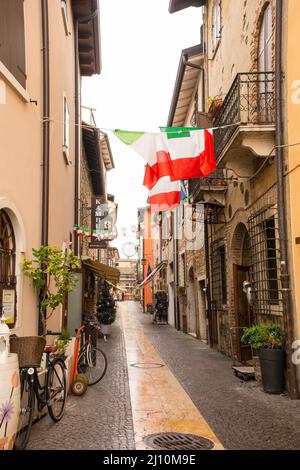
[103, 223]
[9, 305]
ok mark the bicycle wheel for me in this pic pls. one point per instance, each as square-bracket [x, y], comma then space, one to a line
[92, 362]
[56, 389]
[27, 400]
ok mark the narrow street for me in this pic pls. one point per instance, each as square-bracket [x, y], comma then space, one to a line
[192, 390]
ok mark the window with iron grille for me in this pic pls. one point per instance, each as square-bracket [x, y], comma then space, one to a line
[265, 261]
[7, 267]
[218, 272]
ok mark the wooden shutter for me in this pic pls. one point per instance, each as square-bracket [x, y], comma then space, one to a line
[12, 38]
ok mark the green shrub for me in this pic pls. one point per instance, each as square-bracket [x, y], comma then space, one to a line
[267, 335]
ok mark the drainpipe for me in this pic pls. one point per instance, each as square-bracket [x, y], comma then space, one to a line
[176, 276]
[207, 283]
[46, 145]
[199, 67]
[46, 123]
[84, 19]
[285, 278]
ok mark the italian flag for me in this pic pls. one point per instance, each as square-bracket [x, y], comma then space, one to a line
[165, 195]
[179, 153]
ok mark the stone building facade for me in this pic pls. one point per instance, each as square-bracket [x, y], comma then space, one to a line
[233, 89]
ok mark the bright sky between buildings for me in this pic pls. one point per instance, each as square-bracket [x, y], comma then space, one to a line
[141, 45]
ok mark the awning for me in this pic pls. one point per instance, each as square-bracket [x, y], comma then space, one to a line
[116, 287]
[155, 271]
[103, 270]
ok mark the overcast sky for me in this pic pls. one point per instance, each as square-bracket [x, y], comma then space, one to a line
[141, 45]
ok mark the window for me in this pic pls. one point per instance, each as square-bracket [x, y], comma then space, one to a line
[66, 145]
[7, 269]
[219, 274]
[265, 42]
[12, 38]
[271, 252]
[217, 26]
[64, 9]
[223, 274]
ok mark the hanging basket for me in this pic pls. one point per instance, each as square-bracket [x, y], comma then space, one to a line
[29, 349]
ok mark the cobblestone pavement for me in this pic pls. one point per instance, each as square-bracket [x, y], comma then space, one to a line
[102, 418]
[240, 413]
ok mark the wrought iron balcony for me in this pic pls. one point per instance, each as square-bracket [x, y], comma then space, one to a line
[215, 182]
[250, 100]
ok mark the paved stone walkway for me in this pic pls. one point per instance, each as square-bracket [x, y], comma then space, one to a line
[240, 414]
[99, 420]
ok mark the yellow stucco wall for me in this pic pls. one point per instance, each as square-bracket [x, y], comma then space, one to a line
[293, 136]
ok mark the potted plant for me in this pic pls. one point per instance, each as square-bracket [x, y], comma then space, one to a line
[214, 104]
[268, 340]
[52, 273]
[106, 310]
[63, 341]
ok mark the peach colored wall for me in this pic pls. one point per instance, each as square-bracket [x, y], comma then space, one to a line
[292, 101]
[21, 149]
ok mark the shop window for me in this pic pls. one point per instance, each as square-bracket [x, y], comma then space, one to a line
[7, 269]
[12, 38]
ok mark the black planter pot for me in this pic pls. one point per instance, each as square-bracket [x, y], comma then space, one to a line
[272, 370]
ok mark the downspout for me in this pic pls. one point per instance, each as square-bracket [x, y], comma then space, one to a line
[46, 123]
[207, 283]
[46, 144]
[84, 19]
[199, 67]
[285, 278]
[176, 277]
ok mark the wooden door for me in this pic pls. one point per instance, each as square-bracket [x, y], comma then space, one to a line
[242, 311]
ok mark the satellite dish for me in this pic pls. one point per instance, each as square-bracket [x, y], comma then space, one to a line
[128, 249]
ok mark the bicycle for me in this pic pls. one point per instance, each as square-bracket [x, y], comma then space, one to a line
[51, 394]
[92, 361]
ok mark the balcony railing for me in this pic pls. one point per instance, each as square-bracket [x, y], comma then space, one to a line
[216, 181]
[250, 100]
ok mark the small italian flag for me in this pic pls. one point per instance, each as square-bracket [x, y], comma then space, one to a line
[87, 233]
[94, 234]
[80, 231]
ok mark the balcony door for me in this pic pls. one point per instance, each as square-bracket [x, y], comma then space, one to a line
[265, 65]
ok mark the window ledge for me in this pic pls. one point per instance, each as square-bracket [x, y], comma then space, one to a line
[8, 76]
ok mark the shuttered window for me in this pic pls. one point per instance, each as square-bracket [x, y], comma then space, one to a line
[12, 38]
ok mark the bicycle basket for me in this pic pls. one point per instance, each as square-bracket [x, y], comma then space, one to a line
[29, 349]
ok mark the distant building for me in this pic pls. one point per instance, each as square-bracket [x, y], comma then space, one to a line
[128, 277]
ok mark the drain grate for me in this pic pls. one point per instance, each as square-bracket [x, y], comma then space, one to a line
[178, 441]
[147, 365]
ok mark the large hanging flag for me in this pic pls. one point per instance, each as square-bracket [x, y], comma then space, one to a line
[165, 195]
[179, 153]
[152, 148]
[191, 152]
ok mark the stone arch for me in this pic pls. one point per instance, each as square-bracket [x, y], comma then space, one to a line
[256, 33]
[240, 245]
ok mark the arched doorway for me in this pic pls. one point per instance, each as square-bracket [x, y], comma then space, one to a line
[191, 305]
[7, 269]
[241, 257]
